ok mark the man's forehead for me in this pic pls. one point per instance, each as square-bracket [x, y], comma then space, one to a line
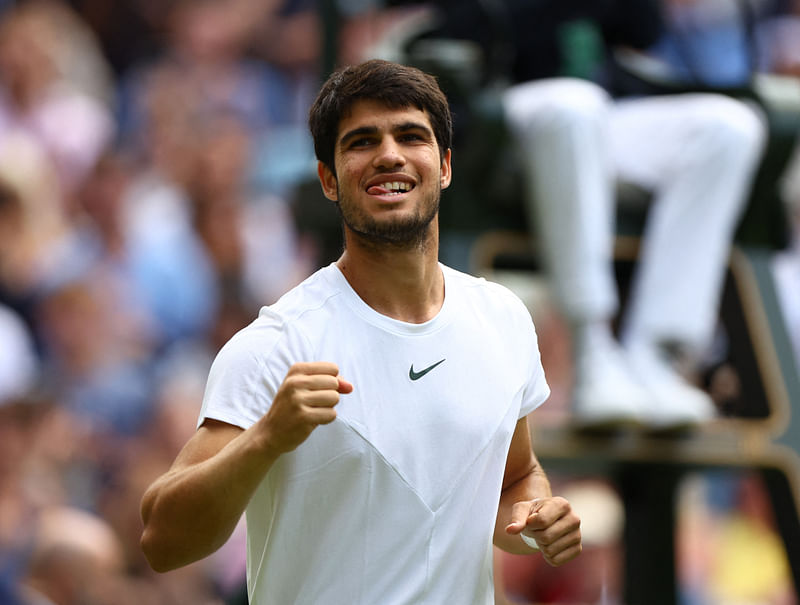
[368, 113]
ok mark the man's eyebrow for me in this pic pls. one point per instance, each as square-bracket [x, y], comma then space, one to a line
[357, 132]
[406, 126]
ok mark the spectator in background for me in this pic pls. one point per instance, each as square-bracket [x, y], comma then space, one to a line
[726, 44]
[249, 234]
[206, 52]
[76, 559]
[137, 225]
[55, 120]
[169, 263]
[54, 86]
[37, 245]
[92, 367]
[695, 153]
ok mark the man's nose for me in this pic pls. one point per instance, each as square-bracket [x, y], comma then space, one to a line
[389, 154]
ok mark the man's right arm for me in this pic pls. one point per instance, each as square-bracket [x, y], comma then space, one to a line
[191, 510]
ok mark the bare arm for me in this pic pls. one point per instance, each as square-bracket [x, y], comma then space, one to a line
[527, 505]
[191, 510]
[185, 519]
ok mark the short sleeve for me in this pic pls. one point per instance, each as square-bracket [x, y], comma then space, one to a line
[536, 390]
[244, 377]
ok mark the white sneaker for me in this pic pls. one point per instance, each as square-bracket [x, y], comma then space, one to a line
[673, 402]
[605, 393]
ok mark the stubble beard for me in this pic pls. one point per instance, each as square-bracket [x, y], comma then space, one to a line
[400, 233]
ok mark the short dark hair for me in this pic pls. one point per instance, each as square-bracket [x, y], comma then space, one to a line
[392, 84]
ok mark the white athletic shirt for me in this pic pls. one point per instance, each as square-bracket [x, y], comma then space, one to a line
[393, 503]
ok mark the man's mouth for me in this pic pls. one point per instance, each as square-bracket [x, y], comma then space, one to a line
[390, 188]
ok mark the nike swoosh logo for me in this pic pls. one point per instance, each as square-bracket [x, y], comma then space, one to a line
[417, 375]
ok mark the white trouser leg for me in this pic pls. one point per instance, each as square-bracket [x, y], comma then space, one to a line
[561, 126]
[698, 154]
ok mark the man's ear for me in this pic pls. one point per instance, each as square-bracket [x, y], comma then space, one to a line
[447, 171]
[328, 181]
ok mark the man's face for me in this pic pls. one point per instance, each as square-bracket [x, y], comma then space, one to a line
[389, 173]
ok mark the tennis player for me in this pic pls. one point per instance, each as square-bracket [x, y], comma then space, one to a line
[372, 424]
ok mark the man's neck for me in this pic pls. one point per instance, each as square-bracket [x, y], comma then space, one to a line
[407, 285]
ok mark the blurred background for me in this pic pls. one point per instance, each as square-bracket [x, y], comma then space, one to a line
[157, 187]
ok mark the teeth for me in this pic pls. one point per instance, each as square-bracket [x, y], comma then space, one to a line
[397, 186]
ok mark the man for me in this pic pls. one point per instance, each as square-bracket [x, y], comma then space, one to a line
[373, 422]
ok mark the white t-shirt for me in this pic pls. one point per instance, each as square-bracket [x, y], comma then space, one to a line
[395, 501]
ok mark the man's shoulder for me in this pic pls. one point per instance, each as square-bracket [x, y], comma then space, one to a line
[290, 311]
[290, 323]
[492, 292]
[313, 293]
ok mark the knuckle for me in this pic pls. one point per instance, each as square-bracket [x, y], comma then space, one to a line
[296, 368]
[293, 381]
[303, 416]
[330, 417]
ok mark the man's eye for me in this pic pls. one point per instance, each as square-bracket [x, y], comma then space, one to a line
[409, 137]
[363, 142]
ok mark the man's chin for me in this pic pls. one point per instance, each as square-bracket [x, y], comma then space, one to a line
[395, 233]
[396, 227]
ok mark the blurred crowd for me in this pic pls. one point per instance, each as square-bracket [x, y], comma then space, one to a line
[150, 155]
[147, 154]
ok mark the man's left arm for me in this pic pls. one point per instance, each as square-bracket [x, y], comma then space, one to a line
[527, 506]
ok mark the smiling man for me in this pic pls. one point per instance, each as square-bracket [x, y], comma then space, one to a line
[373, 422]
